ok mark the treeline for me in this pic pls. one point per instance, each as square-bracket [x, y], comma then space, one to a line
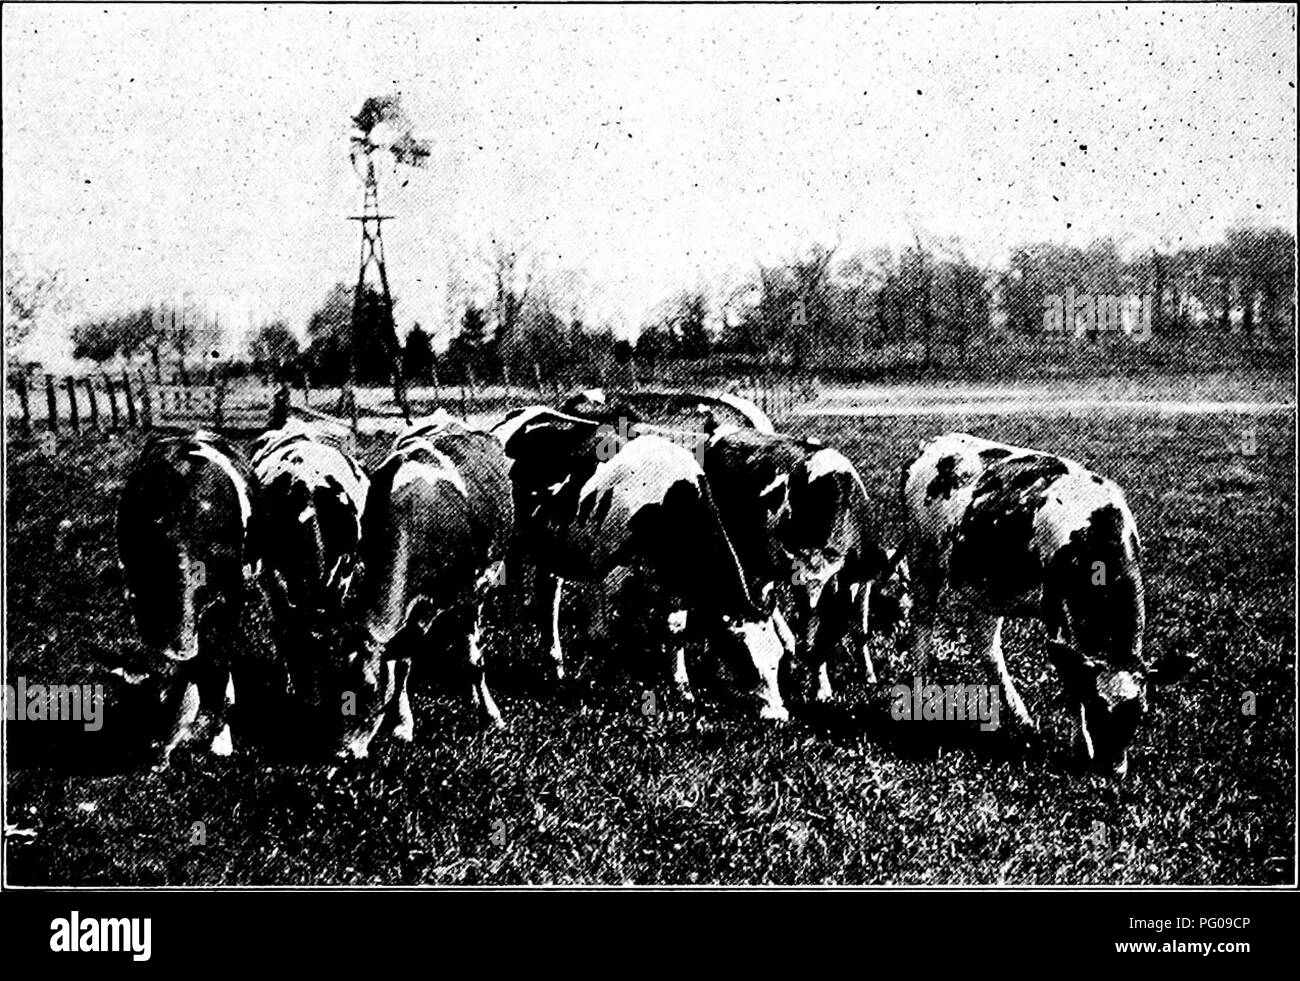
[824, 308]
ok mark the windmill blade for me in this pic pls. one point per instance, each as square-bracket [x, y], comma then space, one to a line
[408, 150]
[381, 124]
[380, 109]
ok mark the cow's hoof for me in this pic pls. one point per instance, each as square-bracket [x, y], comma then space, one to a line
[405, 732]
[162, 756]
[352, 751]
[222, 745]
[775, 714]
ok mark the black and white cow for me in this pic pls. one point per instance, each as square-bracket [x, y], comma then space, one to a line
[797, 512]
[312, 496]
[1006, 531]
[185, 547]
[590, 501]
[438, 519]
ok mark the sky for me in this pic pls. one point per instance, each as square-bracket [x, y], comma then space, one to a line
[625, 153]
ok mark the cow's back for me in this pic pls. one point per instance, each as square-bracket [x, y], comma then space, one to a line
[993, 520]
[651, 505]
[485, 471]
[440, 511]
[312, 496]
[193, 488]
[749, 474]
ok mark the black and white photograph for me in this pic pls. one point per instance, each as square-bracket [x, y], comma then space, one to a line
[652, 446]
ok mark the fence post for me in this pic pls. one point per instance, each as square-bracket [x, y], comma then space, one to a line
[112, 402]
[126, 397]
[74, 416]
[53, 406]
[94, 405]
[219, 398]
[146, 403]
[350, 396]
[19, 382]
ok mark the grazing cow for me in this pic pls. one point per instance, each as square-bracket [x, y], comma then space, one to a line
[437, 522]
[590, 502]
[185, 548]
[311, 499]
[1006, 531]
[797, 512]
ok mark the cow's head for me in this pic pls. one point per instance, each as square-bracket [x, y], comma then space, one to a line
[766, 644]
[890, 601]
[1110, 700]
[356, 685]
[813, 569]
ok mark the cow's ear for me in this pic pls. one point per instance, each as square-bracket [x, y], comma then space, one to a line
[130, 677]
[1171, 668]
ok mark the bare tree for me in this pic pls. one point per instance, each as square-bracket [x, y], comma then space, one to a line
[28, 295]
[512, 282]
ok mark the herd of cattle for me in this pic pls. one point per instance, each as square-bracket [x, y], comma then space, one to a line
[764, 546]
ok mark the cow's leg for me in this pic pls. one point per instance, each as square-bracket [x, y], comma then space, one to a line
[357, 744]
[927, 587]
[677, 621]
[863, 624]
[784, 631]
[479, 694]
[557, 651]
[986, 634]
[815, 655]
[217, 684]
[180, 708]
[923, 630]
[222, 743]
[398, 699]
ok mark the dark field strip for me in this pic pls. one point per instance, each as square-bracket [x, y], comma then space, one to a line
[584, 787]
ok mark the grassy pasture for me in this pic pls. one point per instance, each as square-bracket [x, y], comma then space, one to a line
[585, 787]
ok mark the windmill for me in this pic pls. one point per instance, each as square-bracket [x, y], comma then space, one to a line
[380, 129]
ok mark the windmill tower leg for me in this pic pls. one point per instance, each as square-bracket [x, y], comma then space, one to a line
[399, 381]
[372, 250]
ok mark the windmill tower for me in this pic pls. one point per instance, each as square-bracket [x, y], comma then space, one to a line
[379, 130]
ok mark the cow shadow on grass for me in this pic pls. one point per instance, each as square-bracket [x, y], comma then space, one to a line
[868, 712]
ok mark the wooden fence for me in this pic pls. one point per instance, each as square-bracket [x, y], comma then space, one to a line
[99, 402]
[131, 399]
